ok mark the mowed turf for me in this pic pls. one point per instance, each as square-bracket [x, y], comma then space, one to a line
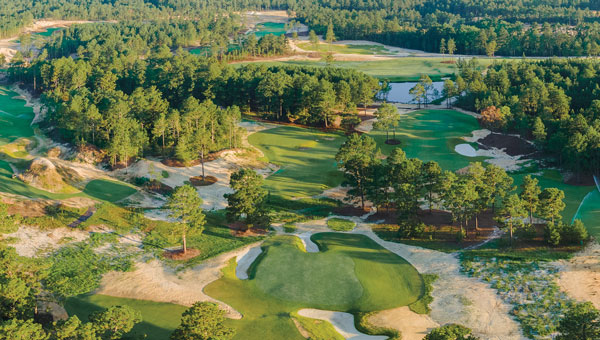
[344, 49]
[107, 190]
[396, 69]
[351, 273]
[15, 117]
[431, 135]
[306, 158]
[158, 319]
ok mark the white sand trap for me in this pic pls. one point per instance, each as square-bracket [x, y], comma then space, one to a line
[309, 245]
[342, 322]
[477, 135]
[245, 260]
[155, 281]
[413, 326]
[580, 275]
[32, 242]
[466, 150]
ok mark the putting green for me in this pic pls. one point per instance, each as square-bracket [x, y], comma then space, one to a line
[15, 117]
[352, 273]
[158, 319]
[306, 158]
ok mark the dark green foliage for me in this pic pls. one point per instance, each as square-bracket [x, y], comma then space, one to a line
[581, 322]
[450, 332]
[203, 321]
[247, 202]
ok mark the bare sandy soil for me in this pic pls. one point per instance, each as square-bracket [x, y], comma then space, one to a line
[33, 242]
[156, 282]
[580, 276]
[412, 325]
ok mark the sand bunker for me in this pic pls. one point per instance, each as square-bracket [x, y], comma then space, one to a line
[413, 326]
[466, 150]
[156, 282]
[33, 242]
[342, 322]
[580, 276]
[244, 261]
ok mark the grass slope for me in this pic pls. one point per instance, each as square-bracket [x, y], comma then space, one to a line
[344, 49]
[352, 273]
[306, 158]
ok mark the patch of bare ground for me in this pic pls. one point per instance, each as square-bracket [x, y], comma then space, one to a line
[241, 229]
[580, 276]
[202, 181]
[580, 179]
[179, 255]
[413, 326]
[33, 242]
[511, 144]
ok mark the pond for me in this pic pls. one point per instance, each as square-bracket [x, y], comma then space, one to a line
[399, 92]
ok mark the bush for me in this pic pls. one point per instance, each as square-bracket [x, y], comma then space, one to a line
[450, 332]
[411, 229]
[527, 232]
[574, 233]
[552, 234]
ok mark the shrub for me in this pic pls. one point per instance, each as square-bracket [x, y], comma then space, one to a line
[574, 233]
[450, 332]
[527, 232]
[411, 229]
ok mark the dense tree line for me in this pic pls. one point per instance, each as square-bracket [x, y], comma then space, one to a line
[554, 102]
[505, 27]
[404, 184]
[179, 104]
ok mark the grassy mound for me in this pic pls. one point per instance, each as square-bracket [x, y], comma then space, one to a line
[43, 174]
[352, 273]
[340, 224]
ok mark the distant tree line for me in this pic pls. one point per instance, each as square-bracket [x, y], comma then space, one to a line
[554, 102]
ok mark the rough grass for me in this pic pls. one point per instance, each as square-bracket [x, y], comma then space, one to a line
[158, 319]
[305, 171]
[340, 224]
[351, 274]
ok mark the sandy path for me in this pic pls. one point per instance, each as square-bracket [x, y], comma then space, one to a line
[245, 260]
[155, 281]
[413, 326]
[580, 276]
[342, 322]
[457, 297]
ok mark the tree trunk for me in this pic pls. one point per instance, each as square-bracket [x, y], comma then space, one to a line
[202, 161]
[184, 242]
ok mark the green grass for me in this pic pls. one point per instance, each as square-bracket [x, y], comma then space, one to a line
[432, 135]
[265, 28]
[107, 190]
[15, 117]
[397, 69]
[318, 329]
[158, 319]
[340, 224]
[352, 273]
[306, 158]
[345, 49]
